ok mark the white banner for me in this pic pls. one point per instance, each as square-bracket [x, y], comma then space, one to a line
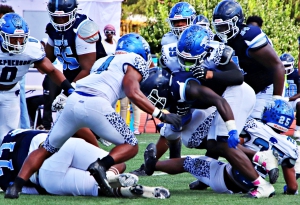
[102, 13]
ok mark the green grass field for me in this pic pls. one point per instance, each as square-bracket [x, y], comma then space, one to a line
[177, 184]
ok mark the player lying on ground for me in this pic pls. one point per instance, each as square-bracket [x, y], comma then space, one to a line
[258, 137]
[64, 173]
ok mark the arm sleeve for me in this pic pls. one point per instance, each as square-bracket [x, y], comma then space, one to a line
[230, 75]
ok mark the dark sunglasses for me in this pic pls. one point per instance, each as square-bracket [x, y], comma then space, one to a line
[109, 32]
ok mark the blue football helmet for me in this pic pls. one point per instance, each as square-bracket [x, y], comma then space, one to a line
[156, 87]
[227, 18]
[192, 46]
[181, 11]
[202, 21]
[13, 26]
[62, 8]
[278, 115]
[288, 61]
[134, 43]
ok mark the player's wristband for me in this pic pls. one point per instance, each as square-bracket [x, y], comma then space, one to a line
[277, 97]
[230, 124]
[157, 113]
[67, 87]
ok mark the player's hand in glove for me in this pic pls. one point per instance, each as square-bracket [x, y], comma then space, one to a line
[183, 108]
[233, 139]
[59, 102]
[172, 119]
[199, 72]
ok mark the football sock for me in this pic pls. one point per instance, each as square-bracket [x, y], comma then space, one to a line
[107, 162]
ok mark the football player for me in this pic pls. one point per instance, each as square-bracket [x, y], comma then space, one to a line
[64, 173]
[211, 64]
[18, 51]
[292, 88]
[263, 70]
[115, 77]
[261, 146]
[64, 43]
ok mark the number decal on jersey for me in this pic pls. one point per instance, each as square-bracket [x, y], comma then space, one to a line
[264, 145]
[291, 140]
[63, 52]
[6, 163]
[8, 74]
[172, 52]
[284, 120]
[105, 65]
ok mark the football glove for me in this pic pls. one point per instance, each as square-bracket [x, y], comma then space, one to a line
[233, 139]
[59, 102]
[172, 119]
[199, 72]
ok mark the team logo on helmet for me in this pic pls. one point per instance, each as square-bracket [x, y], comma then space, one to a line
[17, 22]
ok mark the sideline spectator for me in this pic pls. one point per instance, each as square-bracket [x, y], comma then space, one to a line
[109, 43]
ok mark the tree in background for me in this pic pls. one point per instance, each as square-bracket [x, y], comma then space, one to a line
[279, 20]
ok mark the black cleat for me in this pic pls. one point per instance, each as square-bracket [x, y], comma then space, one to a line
[197, 185]
[150, 159]
[99, 173]
[12, 192]
[140, 171]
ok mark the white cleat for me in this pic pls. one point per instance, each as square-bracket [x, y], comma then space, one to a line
[123, 180]
[269, 160]
[150, 192]
[262, 191]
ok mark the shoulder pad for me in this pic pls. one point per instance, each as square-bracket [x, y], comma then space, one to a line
[88, 31]
[226, 55]
[254, 37]
[168, 38]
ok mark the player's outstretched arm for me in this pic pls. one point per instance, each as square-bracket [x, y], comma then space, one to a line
[131, 84]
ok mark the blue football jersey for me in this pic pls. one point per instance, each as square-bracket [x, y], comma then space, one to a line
[179, 82]
[251, 38]
[13, 152]
[65, 48]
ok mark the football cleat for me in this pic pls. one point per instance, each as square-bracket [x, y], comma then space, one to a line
[262, 191]
[269, 160]
[99, 173]
[197, 185]
[12, 192]
[140, 171]
[150, 192]
[123, 180]
[150, 159]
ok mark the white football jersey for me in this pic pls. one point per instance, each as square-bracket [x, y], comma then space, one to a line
[216, 51]
[169, 56]
[262, 137]
[14, 66]
[107, 75]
